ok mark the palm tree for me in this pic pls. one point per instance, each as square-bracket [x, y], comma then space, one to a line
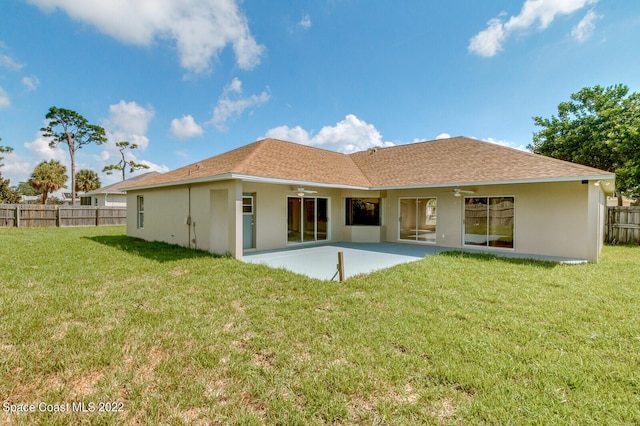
[48, 176]
[87, 180]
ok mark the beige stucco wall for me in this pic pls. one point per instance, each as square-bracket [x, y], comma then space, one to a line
[555, 219]
[271, 212]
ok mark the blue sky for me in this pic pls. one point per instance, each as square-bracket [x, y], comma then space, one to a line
[189, 79]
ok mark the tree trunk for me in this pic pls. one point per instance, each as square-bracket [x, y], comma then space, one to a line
[45, 194]
[72, 154]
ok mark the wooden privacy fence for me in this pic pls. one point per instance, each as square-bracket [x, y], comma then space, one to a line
[623, 225]
[37, 215]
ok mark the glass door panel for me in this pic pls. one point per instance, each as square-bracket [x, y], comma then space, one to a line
[309, 222]
[322, 218]
[475, 221]
[426, 219]
[501, 222]
[293, 219]
[407, 219]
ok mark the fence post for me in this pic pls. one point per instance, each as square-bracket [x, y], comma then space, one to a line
[97, 216]
[340, 266]
[17, 221]
[57, 209]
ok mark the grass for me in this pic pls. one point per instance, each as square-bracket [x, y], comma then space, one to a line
[182, 337]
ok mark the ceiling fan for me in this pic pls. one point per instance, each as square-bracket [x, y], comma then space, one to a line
[301, 191]
[457, 192]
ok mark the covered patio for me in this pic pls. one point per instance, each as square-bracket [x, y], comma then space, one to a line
[320, 261]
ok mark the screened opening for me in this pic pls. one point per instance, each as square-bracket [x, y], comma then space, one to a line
[362, 211]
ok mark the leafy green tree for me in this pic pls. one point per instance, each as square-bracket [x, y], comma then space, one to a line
[87, 180]
[123, 164]
[598, 127]
[48, 176]
[23, 188]
[72, 129]
[7, 195]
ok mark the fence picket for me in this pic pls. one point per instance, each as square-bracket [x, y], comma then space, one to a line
[623, 225]
[36, 215]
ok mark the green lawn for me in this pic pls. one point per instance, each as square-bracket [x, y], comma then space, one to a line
[182, 337]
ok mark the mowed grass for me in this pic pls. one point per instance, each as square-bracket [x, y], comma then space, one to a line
[182, 337]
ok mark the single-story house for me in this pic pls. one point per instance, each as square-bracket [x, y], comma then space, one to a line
[458, 193]
[112, 195]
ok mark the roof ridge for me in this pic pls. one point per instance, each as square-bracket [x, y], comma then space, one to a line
[258, 147]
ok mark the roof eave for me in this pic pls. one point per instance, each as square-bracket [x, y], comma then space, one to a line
[608, 177]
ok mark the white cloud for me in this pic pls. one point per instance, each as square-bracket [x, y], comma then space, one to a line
[8, 62]
[349, 135]
[443, 136]
[585, 27]
[128, 121]
[305, 22]
[16, 168]
[40, 150]
[185, 127]
[541, 12]
[4, 99]
[153, 167]
[232, 104]
[509, 144]
[199, 28]
[31, 83]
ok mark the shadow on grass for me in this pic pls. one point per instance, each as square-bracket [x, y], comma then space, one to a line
[510, 260]
[153, 250]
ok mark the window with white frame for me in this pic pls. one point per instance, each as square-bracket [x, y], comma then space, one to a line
[140, 204]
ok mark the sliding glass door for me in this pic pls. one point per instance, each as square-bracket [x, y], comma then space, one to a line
[488, 221]
[307, 219]
[418, 219]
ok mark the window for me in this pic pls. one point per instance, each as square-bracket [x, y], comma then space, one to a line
[140, 203]
[247, 204]
[363, 211]
[85, 201]
[488, 221]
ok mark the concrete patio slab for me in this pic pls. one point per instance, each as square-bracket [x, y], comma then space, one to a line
[359, 258]
[320, 261]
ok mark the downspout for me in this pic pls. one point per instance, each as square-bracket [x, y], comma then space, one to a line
[188, 221]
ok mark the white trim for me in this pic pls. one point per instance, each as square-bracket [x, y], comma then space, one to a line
[496, 182]
[261, 179]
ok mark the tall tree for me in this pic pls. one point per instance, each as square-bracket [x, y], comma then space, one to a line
[72, 129]
[48, 176]
[123, 164]
[87, 180]
[7, 195]
[598, 127]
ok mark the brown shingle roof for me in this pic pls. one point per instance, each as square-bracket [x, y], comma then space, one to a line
[452, 161]
[461, 160]
[119, 186]
[272, 158]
